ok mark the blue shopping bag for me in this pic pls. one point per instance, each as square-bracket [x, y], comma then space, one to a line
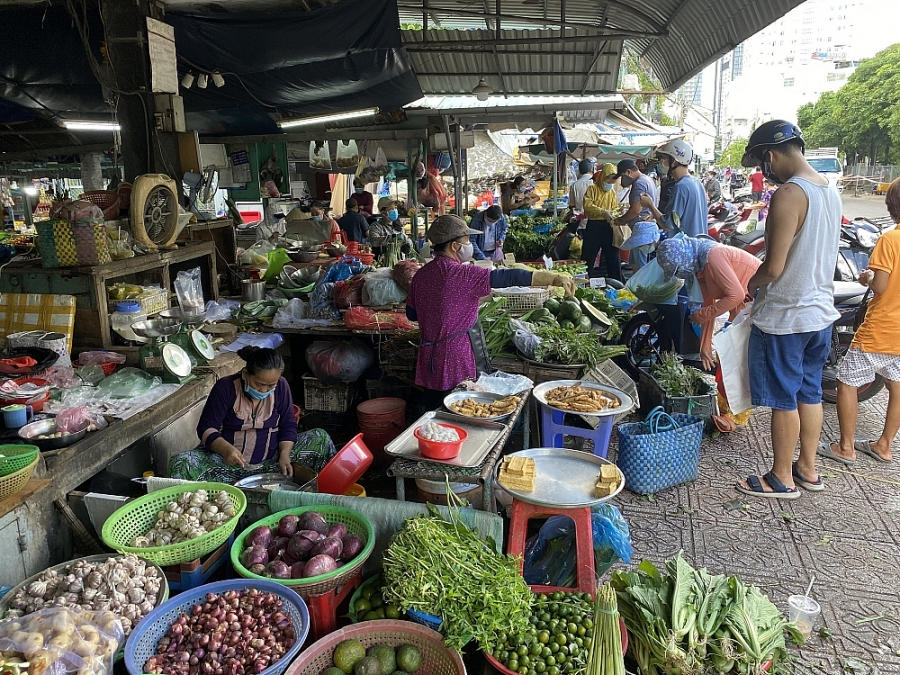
[660, 452]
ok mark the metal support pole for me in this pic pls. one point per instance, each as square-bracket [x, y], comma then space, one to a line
[412, 193]
[555, 178]
[453, 160]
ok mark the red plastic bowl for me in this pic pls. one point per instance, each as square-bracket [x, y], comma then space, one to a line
[36, 402]
[346, 467]
[439, 450]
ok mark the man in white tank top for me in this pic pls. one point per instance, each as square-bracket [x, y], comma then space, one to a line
[794, 308]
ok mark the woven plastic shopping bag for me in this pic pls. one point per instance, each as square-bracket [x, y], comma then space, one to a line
[660, 452]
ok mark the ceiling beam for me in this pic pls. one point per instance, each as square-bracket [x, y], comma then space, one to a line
[513, 52]
[457, 45]
[551, 73]
[42, 153]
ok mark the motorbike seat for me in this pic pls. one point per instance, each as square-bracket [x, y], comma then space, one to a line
[749, 238]
[848, 292]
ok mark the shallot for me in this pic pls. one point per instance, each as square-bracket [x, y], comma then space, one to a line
[236, 632]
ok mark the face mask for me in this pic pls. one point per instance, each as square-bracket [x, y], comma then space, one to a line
[256, 395]
[767, 170]
[522, 188]
[358, 190]
[490, 223]
[392, 214]
[627, 181]
[646, 248]
[466, 252]
[606, 187]
[317, 218]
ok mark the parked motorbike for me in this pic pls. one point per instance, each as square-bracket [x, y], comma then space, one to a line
[724, 219]
[848, 297]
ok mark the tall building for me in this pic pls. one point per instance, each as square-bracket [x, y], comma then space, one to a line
[810, 50]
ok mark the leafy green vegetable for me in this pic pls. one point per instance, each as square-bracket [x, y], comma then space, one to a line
[568, 346]
[443, 568]
[677, 379]
[522, 240]
[684, 619]
[657, 294]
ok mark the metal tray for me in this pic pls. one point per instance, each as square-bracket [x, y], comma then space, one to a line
[482, 436]
[480, 397]
[268, 481]
[627, 403]
[565, 478]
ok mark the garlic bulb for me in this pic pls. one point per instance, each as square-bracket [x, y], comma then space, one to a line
[37, 589]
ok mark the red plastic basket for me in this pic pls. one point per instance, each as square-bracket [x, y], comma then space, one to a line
[440, 449]
[108, 201]
[108, 368]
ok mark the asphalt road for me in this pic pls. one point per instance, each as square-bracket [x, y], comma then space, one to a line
[869, 206]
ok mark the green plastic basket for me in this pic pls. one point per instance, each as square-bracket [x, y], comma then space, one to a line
[356, 524]
[136, 517]
[16, 457]
[357, 594]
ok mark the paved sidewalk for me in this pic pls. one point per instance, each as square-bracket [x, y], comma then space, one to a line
[847, 536]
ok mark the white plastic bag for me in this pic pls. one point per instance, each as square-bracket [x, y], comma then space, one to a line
[381, 165]
[503, 383]
[732, 347]
[289, 315]
[347, 155]
[319, 156]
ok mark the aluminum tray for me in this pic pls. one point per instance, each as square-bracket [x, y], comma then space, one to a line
[482, 437]
[480, 397]
[540, 393]
[565, 478]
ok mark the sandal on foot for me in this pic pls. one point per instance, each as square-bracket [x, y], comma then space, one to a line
[779, 489]
[805, 483]
[865, 447]
[824, 450]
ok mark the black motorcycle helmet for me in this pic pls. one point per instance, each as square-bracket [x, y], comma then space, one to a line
[765, 136]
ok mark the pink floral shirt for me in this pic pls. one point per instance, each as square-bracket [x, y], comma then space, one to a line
[445, 296]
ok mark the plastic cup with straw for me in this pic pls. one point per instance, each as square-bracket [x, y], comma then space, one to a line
[804, 611]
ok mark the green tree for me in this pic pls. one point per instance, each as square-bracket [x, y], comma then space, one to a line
[731, 156]
[646, 104]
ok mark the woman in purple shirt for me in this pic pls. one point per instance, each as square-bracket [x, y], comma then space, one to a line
[444, 299]
[249, 420]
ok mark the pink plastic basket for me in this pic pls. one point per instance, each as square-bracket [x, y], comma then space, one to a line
[436, 658]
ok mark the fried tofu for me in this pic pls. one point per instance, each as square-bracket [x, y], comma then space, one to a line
[607, 481]
[518, 473]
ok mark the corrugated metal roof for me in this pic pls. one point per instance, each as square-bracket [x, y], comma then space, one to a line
[678, 37]
[523, 68]
[469, 102]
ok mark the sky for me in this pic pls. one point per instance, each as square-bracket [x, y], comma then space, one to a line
[879, 21]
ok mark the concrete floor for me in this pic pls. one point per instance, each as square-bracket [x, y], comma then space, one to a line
[848, 537]
[866, 206]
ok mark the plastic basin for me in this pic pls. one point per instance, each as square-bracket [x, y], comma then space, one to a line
[439, 449]
[346, 467]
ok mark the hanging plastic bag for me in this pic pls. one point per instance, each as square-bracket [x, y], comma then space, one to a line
[650, 285]
[346, 155]
[380, 165]
[319, 156]
[258, 254]
[379, 292]
[497, 255]
[334, 362]
[189, 289]
[290, 315]
[366, 170]
[62, 641]
[277, 259]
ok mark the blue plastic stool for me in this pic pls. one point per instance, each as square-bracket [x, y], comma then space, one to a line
[553, 430]
[197, 572]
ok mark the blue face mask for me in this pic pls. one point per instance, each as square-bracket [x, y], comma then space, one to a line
[317, 218]
[392, 214]
[358, 190]
[607, 187]
[522, 188]
[256, 395]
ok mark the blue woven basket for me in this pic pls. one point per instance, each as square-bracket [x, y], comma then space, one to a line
[432, 622]
[142, 643]
[661, 452]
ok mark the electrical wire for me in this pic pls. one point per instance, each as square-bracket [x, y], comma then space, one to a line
[235, 75]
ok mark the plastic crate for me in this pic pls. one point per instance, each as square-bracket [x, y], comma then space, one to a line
[524, 301]
[147, 634]
[652, 395]
[153, 303]
[327, 397]
[547, 372]
[609, 373]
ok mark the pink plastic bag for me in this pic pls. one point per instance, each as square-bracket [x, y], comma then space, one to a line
[497, 256]
[100, 357]
[72, 420]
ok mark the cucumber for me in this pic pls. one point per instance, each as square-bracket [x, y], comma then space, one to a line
[584, 324]
[552, 305]
[566, 324]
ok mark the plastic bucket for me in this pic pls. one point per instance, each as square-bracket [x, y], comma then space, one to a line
[435, 491]
[381, 420]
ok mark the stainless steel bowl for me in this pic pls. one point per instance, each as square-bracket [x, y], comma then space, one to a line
[268, 481]
[189, 320]
[30, 433]
[156, 328]
[299, 256]
[479, 397]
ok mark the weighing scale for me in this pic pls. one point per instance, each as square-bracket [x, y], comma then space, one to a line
[195, 344]
[160, 357]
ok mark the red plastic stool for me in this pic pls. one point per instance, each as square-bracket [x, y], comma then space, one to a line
[323, 609]
[522, 512]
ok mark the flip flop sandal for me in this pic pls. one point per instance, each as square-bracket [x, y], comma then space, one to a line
[723, 423]
[779, 489]
[865, 447]
[806, 484]
[824, 450]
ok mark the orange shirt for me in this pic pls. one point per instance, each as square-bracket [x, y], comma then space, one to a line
[880, 332]
[723, 282]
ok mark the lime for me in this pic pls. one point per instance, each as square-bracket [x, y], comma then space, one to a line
[376, 600]
[333, 670]
[386, 657]
[513, 664]
[409, 658]
[371, 616]
[368, 665]
[368, 591]
[391, 612]
[362, 606]
[347, 654]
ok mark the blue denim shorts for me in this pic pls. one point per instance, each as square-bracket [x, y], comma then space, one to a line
[787, 369]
